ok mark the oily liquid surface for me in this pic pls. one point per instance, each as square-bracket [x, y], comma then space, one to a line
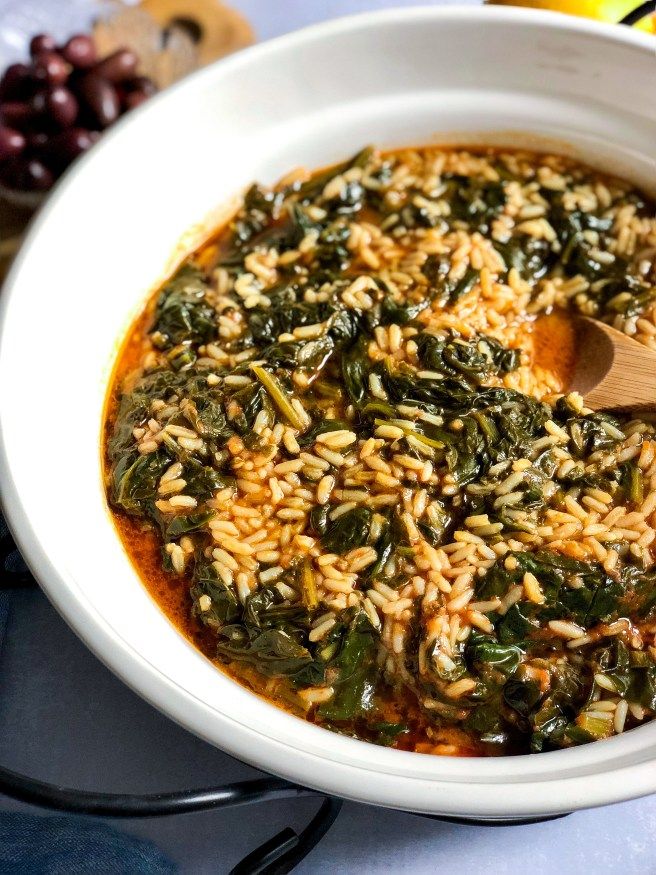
[554, 345]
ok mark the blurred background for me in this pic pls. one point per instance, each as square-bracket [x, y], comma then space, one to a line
[22, 18]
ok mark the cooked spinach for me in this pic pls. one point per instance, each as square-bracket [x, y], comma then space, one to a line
[273, 652]
[443, 287]
[642, 686]
[134, 408]
[386, 733]
[348, 531]
[183, 524]
[260, 207]
[316, 184]
[473, 201]
[473, 360]
[135, 480]
[581, 592]
[182, 314]
[521, 696]
[393, 537]
[391, 311]
[639, 592]
[529, 256]
[224, 607]
[355, 374]
[353, 670]
[484, 650]
[271, 636]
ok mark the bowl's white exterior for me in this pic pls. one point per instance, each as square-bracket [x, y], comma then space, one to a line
[401, 77]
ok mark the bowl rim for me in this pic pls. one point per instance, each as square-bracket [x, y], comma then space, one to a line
[576, 778]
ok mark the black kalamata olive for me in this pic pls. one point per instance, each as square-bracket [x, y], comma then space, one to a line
[61, 106]
[37, 145]
[133, 99]
[26, 175]
[140, 84]
[119, 66]
[16, 115]
[38, 102]
[64, 148]
[11, 172]
[12, 143]
[50, 67]
[100, 97]
[80, 51]
[37, 176]
[17, 82]
[42, 42]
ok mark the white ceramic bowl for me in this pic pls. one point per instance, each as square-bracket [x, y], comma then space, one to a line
[409, 76]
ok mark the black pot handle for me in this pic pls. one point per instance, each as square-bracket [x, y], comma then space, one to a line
[638, 14]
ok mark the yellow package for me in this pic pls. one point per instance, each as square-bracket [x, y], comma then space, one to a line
[602, 10]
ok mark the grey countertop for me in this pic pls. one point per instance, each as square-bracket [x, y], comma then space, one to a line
[66, 718]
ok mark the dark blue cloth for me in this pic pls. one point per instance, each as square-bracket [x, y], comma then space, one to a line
[58, 845]
[34, 845]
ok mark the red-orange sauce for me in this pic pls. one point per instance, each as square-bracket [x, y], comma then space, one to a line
[554, 344]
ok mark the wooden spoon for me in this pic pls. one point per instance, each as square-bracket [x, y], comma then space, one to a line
[613, 371]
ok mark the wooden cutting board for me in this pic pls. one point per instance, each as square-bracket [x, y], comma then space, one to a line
[174, 37]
